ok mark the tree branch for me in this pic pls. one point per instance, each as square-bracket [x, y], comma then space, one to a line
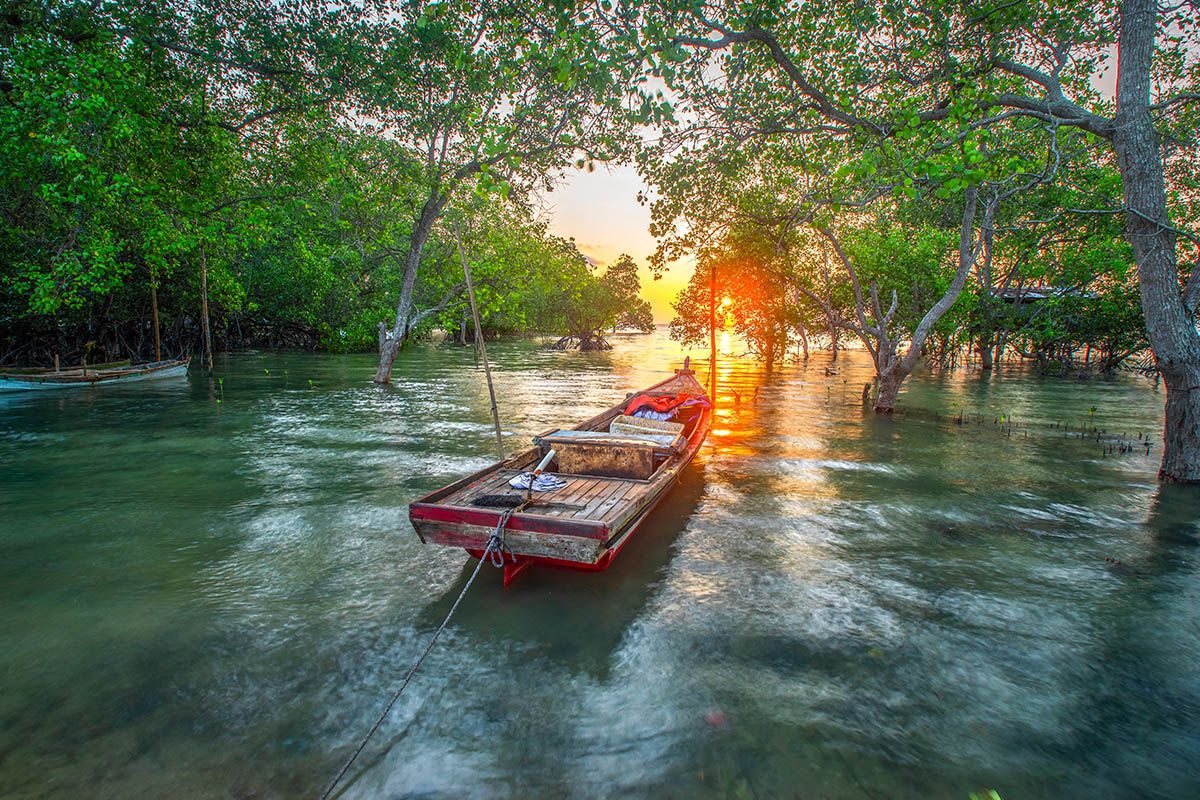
[1185, 97]
[1191, 293]
[984, 16]
[1055, 106]
[450, 296]
[858, 296]
[966, 260]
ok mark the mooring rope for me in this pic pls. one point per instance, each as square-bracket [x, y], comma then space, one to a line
[495, 545]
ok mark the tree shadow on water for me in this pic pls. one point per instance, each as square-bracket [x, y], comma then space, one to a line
[1174, 516]
[1141, 682]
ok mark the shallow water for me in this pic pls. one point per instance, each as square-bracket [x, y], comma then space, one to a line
[215, 599]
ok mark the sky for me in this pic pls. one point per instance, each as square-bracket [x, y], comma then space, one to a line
[599, 210]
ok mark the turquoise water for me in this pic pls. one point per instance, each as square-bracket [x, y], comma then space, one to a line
[211, 590]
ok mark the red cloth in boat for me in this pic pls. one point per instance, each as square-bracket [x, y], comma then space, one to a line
[661, 404]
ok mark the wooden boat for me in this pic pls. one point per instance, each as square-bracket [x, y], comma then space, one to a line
[613, 479]
[100, 374]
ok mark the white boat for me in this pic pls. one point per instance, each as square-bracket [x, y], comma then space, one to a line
[25, 380]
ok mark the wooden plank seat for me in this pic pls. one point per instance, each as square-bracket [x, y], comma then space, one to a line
[625, 424]
[661, 442]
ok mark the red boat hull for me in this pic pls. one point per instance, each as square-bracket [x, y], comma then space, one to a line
[582, 526]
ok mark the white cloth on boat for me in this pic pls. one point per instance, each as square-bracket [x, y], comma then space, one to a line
[544, 483]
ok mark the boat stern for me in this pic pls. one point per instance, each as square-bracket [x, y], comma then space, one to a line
[528, 536]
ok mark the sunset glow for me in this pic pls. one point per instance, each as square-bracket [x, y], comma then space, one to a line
[599, 210]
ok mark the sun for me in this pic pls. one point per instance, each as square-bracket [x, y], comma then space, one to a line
[726, 302]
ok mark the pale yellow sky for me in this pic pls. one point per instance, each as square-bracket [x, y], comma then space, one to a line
[600, 210]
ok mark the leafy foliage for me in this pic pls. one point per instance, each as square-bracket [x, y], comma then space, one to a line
[291, 157]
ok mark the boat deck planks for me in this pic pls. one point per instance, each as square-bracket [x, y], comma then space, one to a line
[592, 508]
[598, 496]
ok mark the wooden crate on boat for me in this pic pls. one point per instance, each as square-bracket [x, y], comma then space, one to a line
[615, 455]
[627, 460]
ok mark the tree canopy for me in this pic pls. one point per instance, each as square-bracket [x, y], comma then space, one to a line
[291, 164]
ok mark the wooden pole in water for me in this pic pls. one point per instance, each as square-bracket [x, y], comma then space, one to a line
[479, 340]
[204, 309]
[712, 330]
[154, 310]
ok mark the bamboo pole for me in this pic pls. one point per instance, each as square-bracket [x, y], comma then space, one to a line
[204, 266]
[204, 309]
[712, 330]
[487, 369]
[154, 309]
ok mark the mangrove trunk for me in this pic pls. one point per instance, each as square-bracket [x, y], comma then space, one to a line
[1170, 322]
